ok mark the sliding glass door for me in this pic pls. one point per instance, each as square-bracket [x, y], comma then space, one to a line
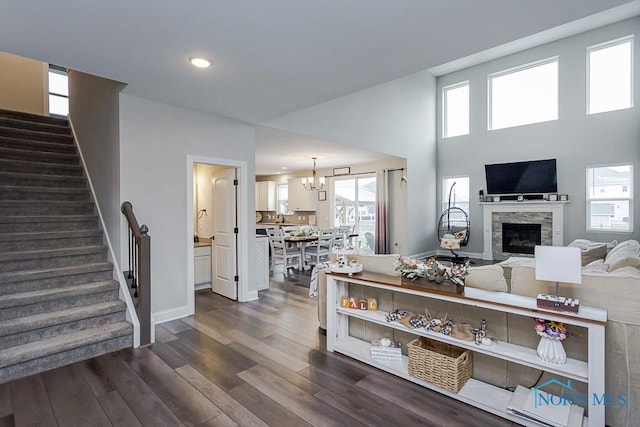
[354, 201]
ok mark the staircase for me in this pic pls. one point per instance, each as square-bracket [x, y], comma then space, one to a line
[58, 301]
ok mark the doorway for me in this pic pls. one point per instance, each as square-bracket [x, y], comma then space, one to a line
[216, 194]
[354, 201]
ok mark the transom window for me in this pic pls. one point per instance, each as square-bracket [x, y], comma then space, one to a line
[610, 71]
[58, 91]
[610, 198]
[524, 95]
[455, 110]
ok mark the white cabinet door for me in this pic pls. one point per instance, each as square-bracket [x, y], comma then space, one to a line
[301, 199]
[266, 196]
[202, 265]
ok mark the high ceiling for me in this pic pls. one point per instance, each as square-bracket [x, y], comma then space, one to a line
[271, 57]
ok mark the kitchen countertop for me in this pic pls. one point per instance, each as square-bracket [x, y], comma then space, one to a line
[203, 241]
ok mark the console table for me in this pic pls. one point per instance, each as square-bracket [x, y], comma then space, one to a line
[476, 393]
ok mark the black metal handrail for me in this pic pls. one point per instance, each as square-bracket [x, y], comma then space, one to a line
[139, 274]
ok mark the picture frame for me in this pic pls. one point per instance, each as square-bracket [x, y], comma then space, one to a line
[322, 195]
[553, 197]
[342, 171]
[563, 197]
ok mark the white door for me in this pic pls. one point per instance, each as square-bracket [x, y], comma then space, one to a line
[224, 245]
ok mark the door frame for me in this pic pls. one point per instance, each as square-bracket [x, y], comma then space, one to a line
[243, 224]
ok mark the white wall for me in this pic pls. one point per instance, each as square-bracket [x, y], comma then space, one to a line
[93, 109]
[24, 84]
[156, 140]
[576, 140]
[395, 118]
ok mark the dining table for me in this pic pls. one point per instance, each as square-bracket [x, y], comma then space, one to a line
[303, 240]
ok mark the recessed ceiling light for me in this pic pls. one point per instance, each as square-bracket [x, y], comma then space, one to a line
[200, 62]
[284, 167]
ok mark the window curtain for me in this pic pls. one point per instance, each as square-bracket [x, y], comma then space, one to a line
[382, 243]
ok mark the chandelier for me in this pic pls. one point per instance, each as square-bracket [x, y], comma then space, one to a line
[313, 183]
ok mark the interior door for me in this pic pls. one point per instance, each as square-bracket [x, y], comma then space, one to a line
[224, 255]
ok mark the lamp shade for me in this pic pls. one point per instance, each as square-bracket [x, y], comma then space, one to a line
[558, 264]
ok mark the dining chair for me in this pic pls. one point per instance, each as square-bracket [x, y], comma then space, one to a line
[342, 235]
[319, 251]
[281, 252]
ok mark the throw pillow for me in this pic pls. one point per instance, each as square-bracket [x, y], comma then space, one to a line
[625, 254]
[487, 277]
[629, 261]
[590, 250]
[594, 253]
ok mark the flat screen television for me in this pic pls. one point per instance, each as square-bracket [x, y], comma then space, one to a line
[532, 177]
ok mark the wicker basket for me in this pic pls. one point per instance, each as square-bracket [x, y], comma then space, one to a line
[442, 364]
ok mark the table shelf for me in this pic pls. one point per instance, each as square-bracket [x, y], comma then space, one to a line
[476, 393]
[574, 369]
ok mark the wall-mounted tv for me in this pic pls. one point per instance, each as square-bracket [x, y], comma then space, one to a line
[532, 177]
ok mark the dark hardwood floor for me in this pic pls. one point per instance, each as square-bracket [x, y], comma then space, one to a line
[253, 364]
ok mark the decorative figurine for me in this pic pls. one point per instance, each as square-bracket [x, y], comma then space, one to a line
[344, 301]
[354, 302]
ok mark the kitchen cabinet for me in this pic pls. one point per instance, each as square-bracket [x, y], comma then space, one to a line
[202, 264]
[266, 196]
[476, 393]
[301, 199]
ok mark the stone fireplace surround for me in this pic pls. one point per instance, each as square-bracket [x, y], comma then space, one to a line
[549, 214]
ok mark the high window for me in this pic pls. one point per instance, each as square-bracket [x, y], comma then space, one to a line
[610, 198]
[524, 95]
[610, 71]
[58, 91]
[455, 110]
[283, 199]
[459, 192]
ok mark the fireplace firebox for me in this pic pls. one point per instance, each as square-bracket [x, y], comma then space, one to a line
[521, 238]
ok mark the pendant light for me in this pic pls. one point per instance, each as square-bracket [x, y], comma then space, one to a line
[313, 183]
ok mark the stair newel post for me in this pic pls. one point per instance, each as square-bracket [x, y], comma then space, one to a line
[144, 284]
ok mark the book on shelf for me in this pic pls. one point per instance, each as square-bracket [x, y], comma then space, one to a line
[523, 404]
[385, 353]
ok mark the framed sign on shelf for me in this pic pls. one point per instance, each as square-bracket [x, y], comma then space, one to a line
[342, 171]
[322, 195]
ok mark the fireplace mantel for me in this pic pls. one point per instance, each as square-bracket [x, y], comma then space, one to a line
[488, 208]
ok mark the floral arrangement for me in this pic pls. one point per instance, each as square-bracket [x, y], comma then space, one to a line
[551, 329]
[433, 270]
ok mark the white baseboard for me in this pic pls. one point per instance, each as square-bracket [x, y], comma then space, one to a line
[251, 296]
[171, 314]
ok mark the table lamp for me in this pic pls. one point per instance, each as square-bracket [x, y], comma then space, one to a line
[558, 264]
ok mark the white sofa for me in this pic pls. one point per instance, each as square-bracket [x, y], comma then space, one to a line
[612, 283]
